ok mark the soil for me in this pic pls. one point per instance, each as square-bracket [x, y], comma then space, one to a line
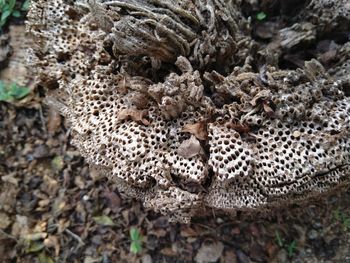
[54, 208]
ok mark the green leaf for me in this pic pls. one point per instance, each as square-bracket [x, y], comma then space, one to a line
[337, 215]
[57, 163]
[16, 13]
[44, 258]
[278, 238]
[16, 92]
[35, 247]
[135, 247]
[261, 16]
[291, 248]
[12, 4]
[135, 234]
[346, 223]
[4, 93]
[26, 5]
[5, 14]
[103, 220]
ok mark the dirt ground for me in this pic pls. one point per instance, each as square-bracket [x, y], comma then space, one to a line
[54, 208]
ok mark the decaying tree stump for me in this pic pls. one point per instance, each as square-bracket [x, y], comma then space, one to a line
[169, 99]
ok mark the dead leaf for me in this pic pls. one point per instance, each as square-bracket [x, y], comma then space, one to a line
[240, 128]
[10, 178]
[34, 247]
[267, 30]
[261, 96]
[168, 251]
[54, 121]
[271, 249]
[4, 221]
[158, 232]
[210, 251]
[257, 253]
[103, 220]
[268, 110]
[41, 151]
[114, 200]
[122, 86]
[53, 242]
[20, 227]
[190, 148]
[57, 163]
[254, 230]
[146, 258]
[44, 258]
[188, 232]
[230, 257]
[198, 129]
[50, 185]
[235, 231]
[35, 236]
[135, 115]
[79, 181]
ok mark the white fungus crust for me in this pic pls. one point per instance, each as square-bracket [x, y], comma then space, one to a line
[267, 139]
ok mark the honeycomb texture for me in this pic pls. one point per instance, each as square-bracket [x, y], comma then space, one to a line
[183, 140]
[328, 15]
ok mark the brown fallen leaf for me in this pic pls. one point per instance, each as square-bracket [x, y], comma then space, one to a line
[260, 97]
[4, 221]
[188, 232]
[267, 108]
[230, 257]
[20, 227]
[158, 232]
[54, 121]
[53, 242]
[103, 220]
[240, 128]
[198, 129]
[168, 251]
[271, 249]
[10, 178]
[257, 253]
[190, 148]
[210, 251]
[254, 230]
[135, 115]
[114, 200]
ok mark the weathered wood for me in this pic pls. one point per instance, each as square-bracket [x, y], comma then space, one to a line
[132, 76]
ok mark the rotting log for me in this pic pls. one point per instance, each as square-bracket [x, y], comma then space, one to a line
[170, 99]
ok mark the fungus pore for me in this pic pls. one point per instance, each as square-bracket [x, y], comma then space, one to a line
[166, 98]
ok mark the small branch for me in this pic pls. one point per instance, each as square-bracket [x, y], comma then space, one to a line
[76, 237]
[7, 235]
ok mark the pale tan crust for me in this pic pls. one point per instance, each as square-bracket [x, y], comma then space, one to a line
[264, 139]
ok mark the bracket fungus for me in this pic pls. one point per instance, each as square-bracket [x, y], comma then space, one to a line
[163, 98]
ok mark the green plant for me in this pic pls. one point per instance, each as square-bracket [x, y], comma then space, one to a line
[136, 241]
[279, 239]
[261, 16]
[290, 247]
[12, 91]
[8, 9]
[343, 218]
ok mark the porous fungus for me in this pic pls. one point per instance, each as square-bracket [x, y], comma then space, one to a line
[163, 98]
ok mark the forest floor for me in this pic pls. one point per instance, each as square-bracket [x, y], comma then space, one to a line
[54, 208]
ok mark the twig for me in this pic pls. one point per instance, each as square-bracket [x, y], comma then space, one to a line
[76, 237]
[42, 119]
[8, 235]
